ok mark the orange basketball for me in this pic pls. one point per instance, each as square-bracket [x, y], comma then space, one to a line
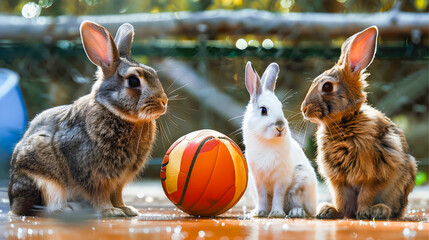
[204, 173]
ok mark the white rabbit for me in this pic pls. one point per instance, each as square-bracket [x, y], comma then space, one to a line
[279, 166]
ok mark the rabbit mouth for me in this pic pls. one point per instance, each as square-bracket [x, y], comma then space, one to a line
[152, 111]
[160, 113]
[313, 115]
[280, 134]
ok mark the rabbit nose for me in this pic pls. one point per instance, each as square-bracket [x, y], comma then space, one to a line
[280, 129]
[163, 99]
[305, 109]
[280, 126]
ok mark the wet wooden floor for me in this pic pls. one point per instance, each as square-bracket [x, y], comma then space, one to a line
[160, 220]
[171, 223]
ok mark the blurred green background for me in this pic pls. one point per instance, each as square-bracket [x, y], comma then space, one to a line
[55, 71]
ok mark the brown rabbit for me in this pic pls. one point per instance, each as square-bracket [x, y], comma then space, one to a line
[93, 147]
[362, 154]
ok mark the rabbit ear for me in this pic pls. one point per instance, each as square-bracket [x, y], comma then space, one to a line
[124, 38]
[253, 82]
[269, 77]
[99, 47]
[360, 49]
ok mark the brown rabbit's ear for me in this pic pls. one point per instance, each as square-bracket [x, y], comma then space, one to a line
[99, 47]
[358, 51]
[124, 38]
[269, 77]
[253, 82]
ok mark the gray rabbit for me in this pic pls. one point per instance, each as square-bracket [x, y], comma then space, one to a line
[93, 147]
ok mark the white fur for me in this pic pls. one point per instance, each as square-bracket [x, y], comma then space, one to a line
[53, 194]
[273, 160]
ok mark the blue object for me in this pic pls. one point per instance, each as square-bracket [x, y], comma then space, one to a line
[13, 115]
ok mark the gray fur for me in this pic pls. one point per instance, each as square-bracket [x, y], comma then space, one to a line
[124, 38]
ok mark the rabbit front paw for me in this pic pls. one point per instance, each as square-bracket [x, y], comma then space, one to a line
[113, 212]
[364, 214]
[259, 213]
[381, 211]
[297, 213]
[130, 211]
[328, 211]
[277, 214]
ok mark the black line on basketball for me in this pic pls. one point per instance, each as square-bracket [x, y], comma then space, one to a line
[164, 164]
[191, 167]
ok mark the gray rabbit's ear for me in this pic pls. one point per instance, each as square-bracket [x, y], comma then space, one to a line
[358, 51]
[269, 78]
[124, 38]
[253, 82]
[99, 47]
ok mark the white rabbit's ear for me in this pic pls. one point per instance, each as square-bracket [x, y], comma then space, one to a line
[124, 38]
[269, 78]
[360, 49]
[99, 47]
[253, 82]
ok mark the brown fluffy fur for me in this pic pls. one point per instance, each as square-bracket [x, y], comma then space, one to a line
[362, 154]
[90, 149]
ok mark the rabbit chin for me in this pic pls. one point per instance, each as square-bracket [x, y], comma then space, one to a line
[314, 119]
[139, 117]
[151, 116]
[272, 134]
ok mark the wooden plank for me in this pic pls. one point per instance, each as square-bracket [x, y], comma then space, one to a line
[313, 26]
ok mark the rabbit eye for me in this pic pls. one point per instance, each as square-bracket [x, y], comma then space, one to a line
[327, 87]
[264, 111]
[133, 82]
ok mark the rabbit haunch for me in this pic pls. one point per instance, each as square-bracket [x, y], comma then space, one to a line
[281, 174]
[362, 154]
[90, 149]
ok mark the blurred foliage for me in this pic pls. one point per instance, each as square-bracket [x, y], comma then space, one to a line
[97, 7]
[421, 178]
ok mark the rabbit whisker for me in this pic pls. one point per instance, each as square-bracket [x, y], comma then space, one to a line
[293, 115]
[168, 133]
[171, 84]
[190, 109]
[172, 122]
[233, 118]
[236, 132]
[177, 89]
[290, 111]
[173, 97]
[176, 98]
[286, 94]
[140, 134]
[178, 118]
[161, 70]
[162, 131]
[285, 98]
[339, 128]
[298, 127]
[327, 126]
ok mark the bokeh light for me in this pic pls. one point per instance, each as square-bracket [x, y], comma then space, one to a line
[45, 3]
[241, 44]
[31, 10]
[267, 44]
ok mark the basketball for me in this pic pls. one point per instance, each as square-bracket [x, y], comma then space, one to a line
[204, 173]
